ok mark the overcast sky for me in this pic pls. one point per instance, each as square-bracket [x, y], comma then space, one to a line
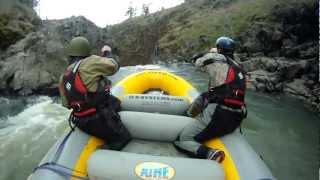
[101, 12]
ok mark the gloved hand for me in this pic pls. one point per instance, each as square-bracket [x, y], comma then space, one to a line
[106, 51]
[103, 92]
[196, 56]
[213, 50]
[205, 98]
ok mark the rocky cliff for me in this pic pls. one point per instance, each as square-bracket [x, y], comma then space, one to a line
[34, 63]
[17, 19]
[277, 42]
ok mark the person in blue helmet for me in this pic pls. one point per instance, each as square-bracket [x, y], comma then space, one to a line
[221, 109]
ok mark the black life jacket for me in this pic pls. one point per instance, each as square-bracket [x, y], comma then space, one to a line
[78, 97]
[232, 92]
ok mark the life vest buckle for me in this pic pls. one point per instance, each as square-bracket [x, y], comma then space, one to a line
[244, 111]
[76, 107]
[107, 89]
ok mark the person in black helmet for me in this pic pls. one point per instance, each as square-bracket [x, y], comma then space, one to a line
[219, 110]
[85, 89]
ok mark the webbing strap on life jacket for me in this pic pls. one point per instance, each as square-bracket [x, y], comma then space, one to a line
[77, 94]
[232, 92]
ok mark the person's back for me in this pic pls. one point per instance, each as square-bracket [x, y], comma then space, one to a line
[86, 91]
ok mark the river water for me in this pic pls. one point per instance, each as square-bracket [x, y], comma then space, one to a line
[280, 129]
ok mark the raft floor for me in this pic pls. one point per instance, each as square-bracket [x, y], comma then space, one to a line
[153, 148]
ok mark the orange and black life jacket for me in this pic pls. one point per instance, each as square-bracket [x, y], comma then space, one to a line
[232, 92]
[78, 97]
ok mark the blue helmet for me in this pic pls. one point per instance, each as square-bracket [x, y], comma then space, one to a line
[226, 44]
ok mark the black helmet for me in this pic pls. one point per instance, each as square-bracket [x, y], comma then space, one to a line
[226, 44]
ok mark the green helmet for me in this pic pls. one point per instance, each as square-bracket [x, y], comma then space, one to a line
[79, 46]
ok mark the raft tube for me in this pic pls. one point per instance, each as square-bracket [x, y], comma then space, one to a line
[151, 154]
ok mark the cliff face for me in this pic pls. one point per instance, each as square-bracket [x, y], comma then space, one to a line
[137, 40]
[17, 19]
[34, 63]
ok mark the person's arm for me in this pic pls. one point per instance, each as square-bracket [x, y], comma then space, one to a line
[104, 66]
[96, 66]
[107, 52]
[208, 59]
[196, 107]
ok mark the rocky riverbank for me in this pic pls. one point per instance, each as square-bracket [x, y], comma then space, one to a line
[280, 75]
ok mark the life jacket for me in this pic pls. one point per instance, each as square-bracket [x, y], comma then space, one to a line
[78, 97]
[232, 92]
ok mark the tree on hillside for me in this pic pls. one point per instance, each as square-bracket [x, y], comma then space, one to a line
[145, 9]
[131, 12]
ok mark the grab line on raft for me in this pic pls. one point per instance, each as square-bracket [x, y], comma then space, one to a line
[60, 169]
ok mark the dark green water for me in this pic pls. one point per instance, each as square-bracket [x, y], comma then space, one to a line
[280, 129]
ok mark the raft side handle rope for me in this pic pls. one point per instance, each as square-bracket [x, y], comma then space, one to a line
[72, 127]
[60, 169]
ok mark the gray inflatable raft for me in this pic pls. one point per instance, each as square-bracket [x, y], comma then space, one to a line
[149, 156]
[154, 121]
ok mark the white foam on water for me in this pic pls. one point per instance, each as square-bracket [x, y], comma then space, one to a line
[39, 113]
[147, 67]
[33, 122]
[27, 136]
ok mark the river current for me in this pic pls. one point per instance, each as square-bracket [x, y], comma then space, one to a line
[280, 129]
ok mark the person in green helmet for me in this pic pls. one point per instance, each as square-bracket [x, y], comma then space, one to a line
[84, 89]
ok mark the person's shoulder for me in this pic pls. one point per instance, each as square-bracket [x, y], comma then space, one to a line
[215, 56]
[93, 59]
[71, 66]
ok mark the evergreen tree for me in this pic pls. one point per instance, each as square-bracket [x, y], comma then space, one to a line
[30, 3]
[131, 12]
[145, 9]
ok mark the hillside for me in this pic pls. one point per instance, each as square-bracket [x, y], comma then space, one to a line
[260, 26]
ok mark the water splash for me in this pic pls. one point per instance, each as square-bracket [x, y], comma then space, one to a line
[29, 134]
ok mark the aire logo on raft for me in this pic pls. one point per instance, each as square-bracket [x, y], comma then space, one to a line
[154, 171]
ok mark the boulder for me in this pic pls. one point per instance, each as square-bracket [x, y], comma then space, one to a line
[260, 87]
[262, 80]
[269, 87]
[279, 87]
[266, 63]
[32, 64]
[292, 69]
[269, 64]
[297, 88]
